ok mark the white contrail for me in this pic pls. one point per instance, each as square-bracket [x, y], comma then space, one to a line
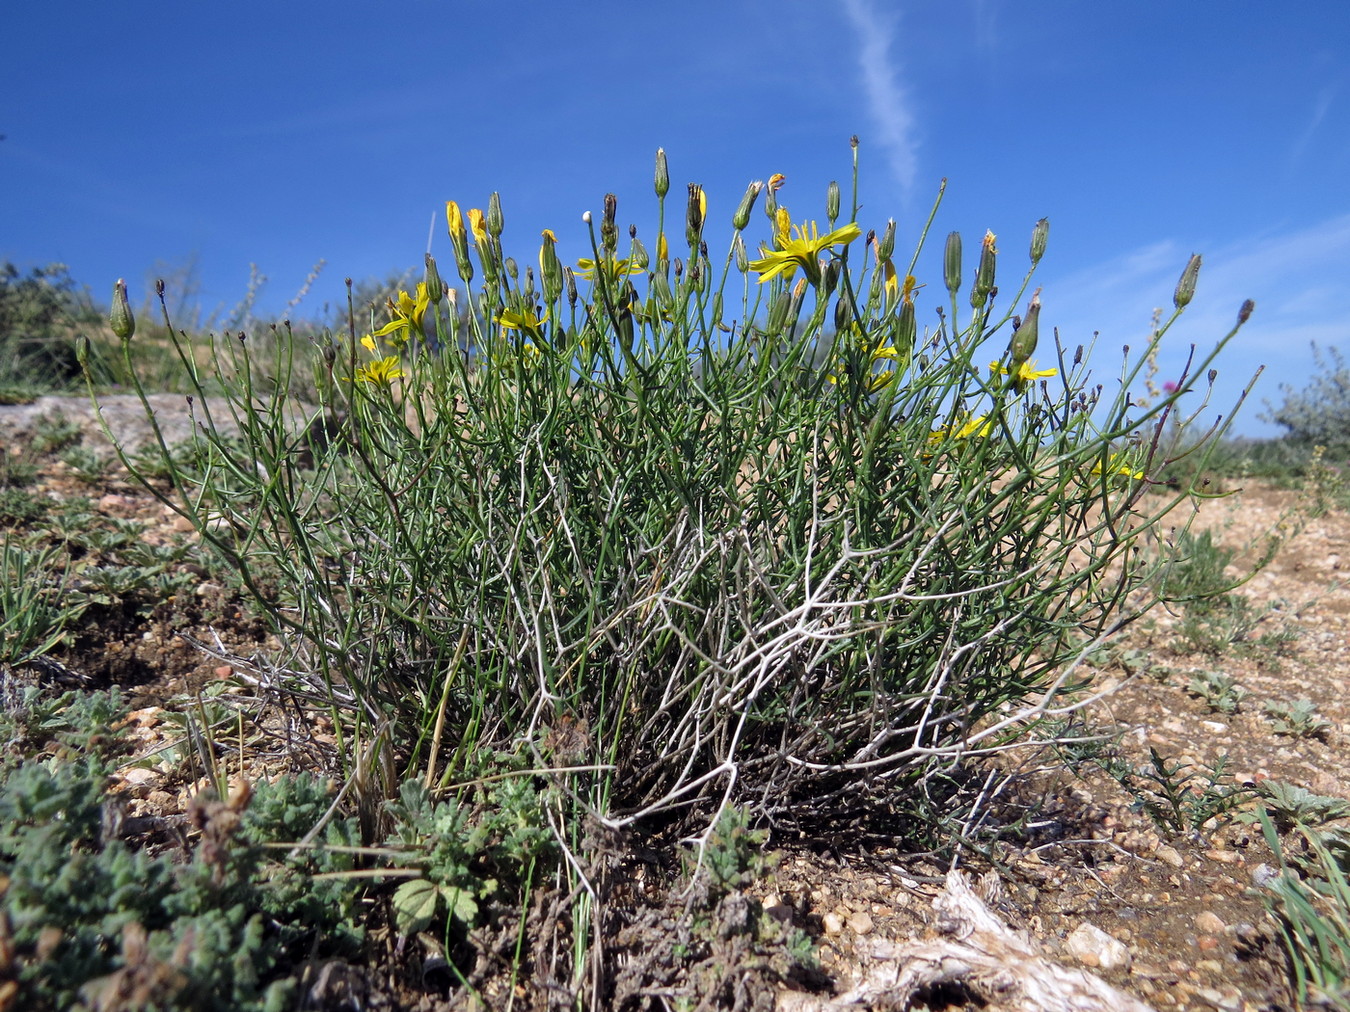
[887, 101]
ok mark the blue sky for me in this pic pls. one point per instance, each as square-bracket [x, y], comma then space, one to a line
[282, 133]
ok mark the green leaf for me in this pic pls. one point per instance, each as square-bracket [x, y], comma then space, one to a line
[463, 907]
[415, 904]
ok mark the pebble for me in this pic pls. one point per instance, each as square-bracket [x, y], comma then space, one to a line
[1094, 947]
[861, 923]
[1209, 922]
[1170, 855]
[833, 923]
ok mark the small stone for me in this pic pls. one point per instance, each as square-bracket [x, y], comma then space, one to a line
[1207, 943]
[1209, 922]
[1214, 726]
[1170, 855]
[861, 923]
[1222, 856]
[1094, 947]
[224, 671]
[833, 923]
[1263, 875]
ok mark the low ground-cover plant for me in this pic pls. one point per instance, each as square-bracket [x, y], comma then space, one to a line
[679, 527]
[89, 921]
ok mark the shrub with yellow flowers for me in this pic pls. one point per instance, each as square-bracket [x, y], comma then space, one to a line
[698, 519]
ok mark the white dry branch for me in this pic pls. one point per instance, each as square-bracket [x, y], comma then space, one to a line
[1001, 969]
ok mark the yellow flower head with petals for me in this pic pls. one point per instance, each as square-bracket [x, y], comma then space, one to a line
[1116, 467]
[478, 225]
[1025, 373]
[612, 268]
[405, 317]
[455, 220]
[384, 370]
[803, 251]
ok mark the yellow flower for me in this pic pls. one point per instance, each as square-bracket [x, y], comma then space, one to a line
[662, 248]
[776, 182]
[455, 220]
[979, 426]
[890, 282]
[383, 370]
[966, 427]
[368, 342]
[405, 317]
[1117, 468]
[1026, 373]
[613, 268]
[526, 323]
[478, 225]
[804, 251]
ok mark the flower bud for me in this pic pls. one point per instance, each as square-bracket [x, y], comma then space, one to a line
[832, 202]
[951, 262]
[886, 244]
[984, 274]
[122, 321]
[1245, 312]
[1186, 286]
[1023, 343]
[512, 269]
[742, 216]
[843, 312]
[1038, 236]
[831, 277]
[738, 252]
[570, 282]
[906, 330]
[778, 313]
[435, 286]
[609, 229]
[771, 188]
[639, 254]
[697, 211]
[494, 215]
[550, 270]
[662, 173]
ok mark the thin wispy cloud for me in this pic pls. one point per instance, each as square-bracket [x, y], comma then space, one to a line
[1320, 108]
[888, 103]
[986, 25]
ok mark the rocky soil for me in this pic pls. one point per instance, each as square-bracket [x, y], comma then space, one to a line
[1169, 914]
